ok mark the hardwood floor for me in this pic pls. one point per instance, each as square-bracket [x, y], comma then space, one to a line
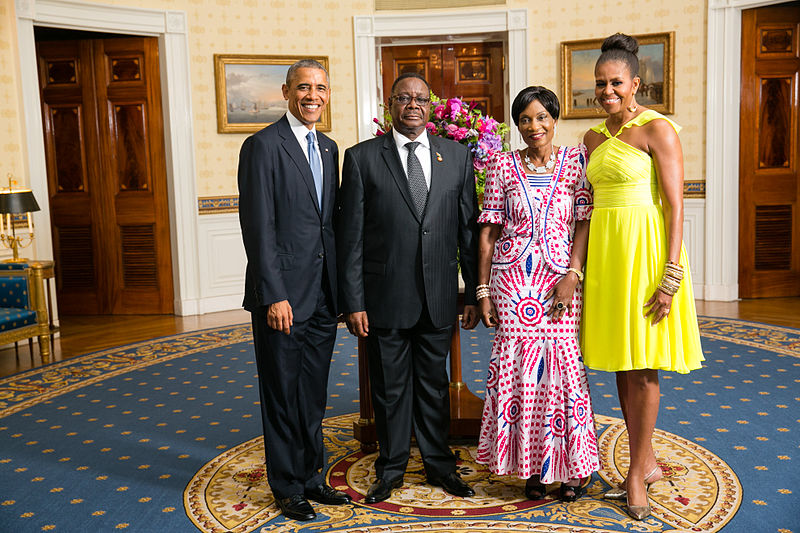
[84, 334]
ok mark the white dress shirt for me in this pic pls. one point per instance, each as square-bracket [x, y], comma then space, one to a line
[423, 153]
[300, 131]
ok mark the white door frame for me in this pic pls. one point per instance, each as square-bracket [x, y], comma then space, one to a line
[368, 29]
[170, 27]
[724, 61]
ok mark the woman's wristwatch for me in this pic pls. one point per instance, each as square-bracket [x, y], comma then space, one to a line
[577, 273]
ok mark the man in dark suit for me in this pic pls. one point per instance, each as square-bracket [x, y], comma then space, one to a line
[407, 211]
[288, 182]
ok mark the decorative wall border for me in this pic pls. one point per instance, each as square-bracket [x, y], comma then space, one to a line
[694, 189]
[215, 205]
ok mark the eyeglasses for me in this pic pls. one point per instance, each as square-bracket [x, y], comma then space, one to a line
[404, 99]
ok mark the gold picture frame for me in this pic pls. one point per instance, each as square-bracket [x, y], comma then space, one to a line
[656, 70]
[249, 96]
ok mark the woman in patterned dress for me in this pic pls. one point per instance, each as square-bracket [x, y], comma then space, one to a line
[537, 418]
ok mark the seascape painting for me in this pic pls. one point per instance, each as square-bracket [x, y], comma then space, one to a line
[253, 93]
[249, 95]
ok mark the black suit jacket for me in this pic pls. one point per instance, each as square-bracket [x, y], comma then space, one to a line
[391, 261]
[287, 239]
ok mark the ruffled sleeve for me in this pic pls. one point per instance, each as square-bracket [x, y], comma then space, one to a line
[493, 193]
[583, 189]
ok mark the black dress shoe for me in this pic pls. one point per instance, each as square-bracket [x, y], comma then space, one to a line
[453, 484]
[327, 495]
[382, 489]
[296, 507]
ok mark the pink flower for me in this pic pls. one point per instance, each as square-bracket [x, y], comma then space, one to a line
[478, 163]
[431, 127]
[451, 129]
[454, 105]
[438, 112]
[489, 125]
[460, 133]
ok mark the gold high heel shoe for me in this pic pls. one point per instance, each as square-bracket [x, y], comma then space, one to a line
[639, 512]
[618, 493]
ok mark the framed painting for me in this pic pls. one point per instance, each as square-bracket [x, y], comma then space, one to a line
[249, 96]
[656, 70]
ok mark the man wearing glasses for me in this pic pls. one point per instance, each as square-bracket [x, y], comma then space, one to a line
[407, 213]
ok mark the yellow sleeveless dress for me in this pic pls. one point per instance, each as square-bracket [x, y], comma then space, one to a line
[625, 262]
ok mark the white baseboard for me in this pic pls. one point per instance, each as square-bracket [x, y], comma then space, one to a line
[220, 303]
[721, 293]
[222, 265]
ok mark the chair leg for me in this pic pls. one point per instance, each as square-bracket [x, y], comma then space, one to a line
[16, 350]
[30, 348]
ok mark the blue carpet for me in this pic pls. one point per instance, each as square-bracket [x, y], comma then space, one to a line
[115, 440]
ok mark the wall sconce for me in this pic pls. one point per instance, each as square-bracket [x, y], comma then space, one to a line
[15, 201]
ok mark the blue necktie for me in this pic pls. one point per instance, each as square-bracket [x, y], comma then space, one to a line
[316, 165]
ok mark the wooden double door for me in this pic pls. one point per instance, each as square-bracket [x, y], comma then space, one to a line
[471, 71]
[769, 177]
[104, 145]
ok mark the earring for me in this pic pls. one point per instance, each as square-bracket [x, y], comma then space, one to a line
[633, 107]
[597, 108]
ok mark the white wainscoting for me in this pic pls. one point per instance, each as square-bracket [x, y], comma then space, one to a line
[222, 263]
[694, 227]
[222, 258]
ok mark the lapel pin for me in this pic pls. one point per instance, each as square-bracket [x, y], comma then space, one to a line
[326, 149]
[438, 157]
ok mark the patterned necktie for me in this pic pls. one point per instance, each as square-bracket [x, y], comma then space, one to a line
[416, 179]
[316, 165]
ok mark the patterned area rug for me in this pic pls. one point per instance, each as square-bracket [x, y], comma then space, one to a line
[164, 436]
[699, 492]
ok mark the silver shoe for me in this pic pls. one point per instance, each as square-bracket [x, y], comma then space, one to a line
[618, 493]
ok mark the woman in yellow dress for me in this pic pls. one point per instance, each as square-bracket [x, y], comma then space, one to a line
[639, 314]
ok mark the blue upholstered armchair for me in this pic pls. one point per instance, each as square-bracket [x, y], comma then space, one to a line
[23, 312]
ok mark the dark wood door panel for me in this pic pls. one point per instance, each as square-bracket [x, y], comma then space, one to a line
[472, 71]
[425, 60]
[106, 175]
[477, 75]
[769, 195]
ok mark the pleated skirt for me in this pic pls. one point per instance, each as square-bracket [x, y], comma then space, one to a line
[625, 261]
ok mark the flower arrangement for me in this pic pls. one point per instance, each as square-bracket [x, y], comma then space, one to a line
[455, 119]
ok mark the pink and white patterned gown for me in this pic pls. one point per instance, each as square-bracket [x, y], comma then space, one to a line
[537, 415]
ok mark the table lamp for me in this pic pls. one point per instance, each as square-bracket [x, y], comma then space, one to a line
[16, 201]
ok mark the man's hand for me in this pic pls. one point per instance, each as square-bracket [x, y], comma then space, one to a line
[280, 317]
[357, 323]
[470, 317]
